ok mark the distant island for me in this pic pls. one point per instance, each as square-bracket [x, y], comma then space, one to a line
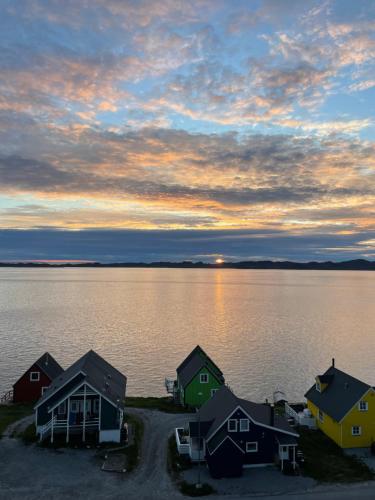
[348, 265]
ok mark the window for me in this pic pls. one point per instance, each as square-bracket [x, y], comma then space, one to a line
[356, 430]
[252, 447]
[321, 416]
[74, 406]
[244, 424]
[204, 378]
[61, 408]
[232, 425]
[96, 406]
[34, 376]
[363, 406]
[44, 389]
[213, 391]
[318, 387]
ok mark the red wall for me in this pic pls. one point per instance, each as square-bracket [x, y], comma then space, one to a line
[27, 391]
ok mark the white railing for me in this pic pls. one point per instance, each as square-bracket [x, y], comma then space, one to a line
[63, 424]
[300, 417]
[170, 385]
[8, 396]
[182, 447]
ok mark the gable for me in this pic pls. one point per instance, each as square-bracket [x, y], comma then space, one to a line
[25, 378]
[340, 395]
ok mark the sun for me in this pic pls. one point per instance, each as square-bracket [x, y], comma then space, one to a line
[219, 261]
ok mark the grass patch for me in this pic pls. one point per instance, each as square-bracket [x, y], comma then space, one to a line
[326, 462]
[13, 412]
[191, 489]
[162, 404]
[177, 463]
[133, 452]
[28, 436]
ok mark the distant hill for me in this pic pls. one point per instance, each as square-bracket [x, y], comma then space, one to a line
[348, 265]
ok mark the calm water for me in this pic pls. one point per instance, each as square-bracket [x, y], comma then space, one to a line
[265, 329]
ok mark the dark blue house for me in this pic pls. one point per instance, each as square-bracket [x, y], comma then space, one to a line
[87, 398]
[230, 434]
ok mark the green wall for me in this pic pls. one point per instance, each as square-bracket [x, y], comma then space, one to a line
[195, 386]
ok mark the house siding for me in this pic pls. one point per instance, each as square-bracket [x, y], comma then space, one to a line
[341, 433]
[42, 414]
[219, 465]
[26, 391]
[109, 417]
[191, 397]
[264, 437]
[329, 426]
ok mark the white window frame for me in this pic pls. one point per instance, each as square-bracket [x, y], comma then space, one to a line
[213, 391]
[359, 433]
[321, 416]
[61, 409]
[96, 406]
[34, 379]
[203, 375]
[44, 389]
[229, 422]
[363, 406]
[75, 406]
[318, 386]
[252, 443]
[247, 425]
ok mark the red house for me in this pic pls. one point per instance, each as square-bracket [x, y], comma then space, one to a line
[36, 379]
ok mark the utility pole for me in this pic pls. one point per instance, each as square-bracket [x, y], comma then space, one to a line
[199, 485]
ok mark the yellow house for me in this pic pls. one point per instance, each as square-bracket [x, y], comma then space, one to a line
[344, 408]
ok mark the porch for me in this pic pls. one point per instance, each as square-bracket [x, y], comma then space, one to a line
[190, 446]
[79, 413]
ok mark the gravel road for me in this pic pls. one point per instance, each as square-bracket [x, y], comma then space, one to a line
[32, 473]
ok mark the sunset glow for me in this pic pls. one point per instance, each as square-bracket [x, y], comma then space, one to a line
[207, 117]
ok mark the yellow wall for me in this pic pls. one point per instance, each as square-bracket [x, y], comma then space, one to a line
[341, 433]
[366, 419]
[329, 426]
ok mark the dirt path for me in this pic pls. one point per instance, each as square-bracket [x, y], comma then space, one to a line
[151, 479]
[31, 472]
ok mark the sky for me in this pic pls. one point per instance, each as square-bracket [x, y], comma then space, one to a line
[147, 130]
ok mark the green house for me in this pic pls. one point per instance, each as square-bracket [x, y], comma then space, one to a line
[198, 378]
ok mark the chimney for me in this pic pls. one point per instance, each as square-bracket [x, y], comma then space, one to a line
[333, 362]
[272, 408]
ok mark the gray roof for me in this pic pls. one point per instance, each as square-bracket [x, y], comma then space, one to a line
[217, 409]
[193, 363]
[101, 375]
[284, 439]
[341, 394]
[49, 365]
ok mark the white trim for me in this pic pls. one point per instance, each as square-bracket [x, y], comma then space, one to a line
[256, 448]
[64, 408]
[218, 446]
[247, 421]
[320, 416]
[228, 425]
[366, 405]
[370, 389]
[318, 386]
[100, 411]
[254, 421]
[44, 388]
[203, 375]
[213, 392]
[359, 427]
[34, 379]
[56, 390]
